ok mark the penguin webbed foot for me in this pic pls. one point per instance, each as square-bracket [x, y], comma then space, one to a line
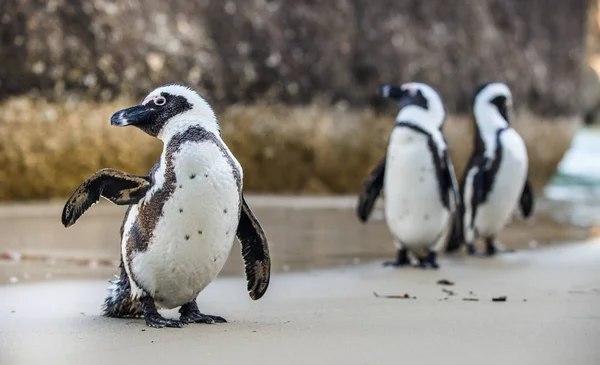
[429, 261]
[158, 321]
[402, 259]
[191, 314]
[471, 250]
[492, 249]
[153, 318]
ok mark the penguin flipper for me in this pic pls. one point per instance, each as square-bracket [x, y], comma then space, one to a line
[455, 205]
[255, 252]
[471, 194]
[450, 184]
[526, 202]
[117, 186]
[370, 191]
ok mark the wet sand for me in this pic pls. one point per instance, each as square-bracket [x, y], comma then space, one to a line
[304, 234]
[551, 316]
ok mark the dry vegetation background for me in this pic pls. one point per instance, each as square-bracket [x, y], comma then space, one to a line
[292, 81]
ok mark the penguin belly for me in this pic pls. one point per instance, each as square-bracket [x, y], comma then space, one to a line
[193, 237]
[414, 212]
[506, 188]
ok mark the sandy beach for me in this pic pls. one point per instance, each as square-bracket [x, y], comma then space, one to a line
[320, 307]
[551, 316]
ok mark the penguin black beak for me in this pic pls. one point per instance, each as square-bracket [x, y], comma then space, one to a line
[131, 116]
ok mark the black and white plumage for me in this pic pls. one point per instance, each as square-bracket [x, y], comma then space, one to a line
[416, 176]
[183, 216]
[495, 180]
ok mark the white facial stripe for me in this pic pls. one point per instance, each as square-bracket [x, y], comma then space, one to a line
[488, 117]
[411, 88]
[491, 91]
[432, 118]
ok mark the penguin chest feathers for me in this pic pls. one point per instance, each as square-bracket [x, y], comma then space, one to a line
[414, 211]
[507, 184]
[200, 184]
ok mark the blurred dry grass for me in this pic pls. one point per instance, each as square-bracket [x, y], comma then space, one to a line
[46, 149]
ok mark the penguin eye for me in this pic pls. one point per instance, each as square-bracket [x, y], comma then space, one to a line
[160, 100]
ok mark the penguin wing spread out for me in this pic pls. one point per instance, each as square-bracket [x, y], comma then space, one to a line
[255, 252]
[117, 186]
[527, 202]
[370, 191]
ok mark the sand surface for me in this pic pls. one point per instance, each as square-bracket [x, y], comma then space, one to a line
[304, 234]
[551, 316]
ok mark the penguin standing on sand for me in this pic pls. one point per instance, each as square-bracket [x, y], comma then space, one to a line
[495, 180]
[182, 217]
[416, 175]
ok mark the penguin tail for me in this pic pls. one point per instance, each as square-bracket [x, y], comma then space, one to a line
[119, 302]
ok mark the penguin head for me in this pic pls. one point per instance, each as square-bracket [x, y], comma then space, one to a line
[167, 110]
[419, 103]
[490, 105]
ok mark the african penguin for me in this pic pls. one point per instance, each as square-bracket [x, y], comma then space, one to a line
[182, 217]
[495, 180]
[416, 175]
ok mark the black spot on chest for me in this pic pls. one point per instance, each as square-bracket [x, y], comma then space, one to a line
[150, 210]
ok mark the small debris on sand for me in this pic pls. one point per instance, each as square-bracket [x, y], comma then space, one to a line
[499, 299]
[444, 282]
[143, 330]
[471, 293]
[470, 299]
[11, 256]
[449, 292]
[405, 296]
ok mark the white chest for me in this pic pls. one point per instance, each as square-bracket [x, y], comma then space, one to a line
[414, 211]
[194, 235]
[507, 186]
